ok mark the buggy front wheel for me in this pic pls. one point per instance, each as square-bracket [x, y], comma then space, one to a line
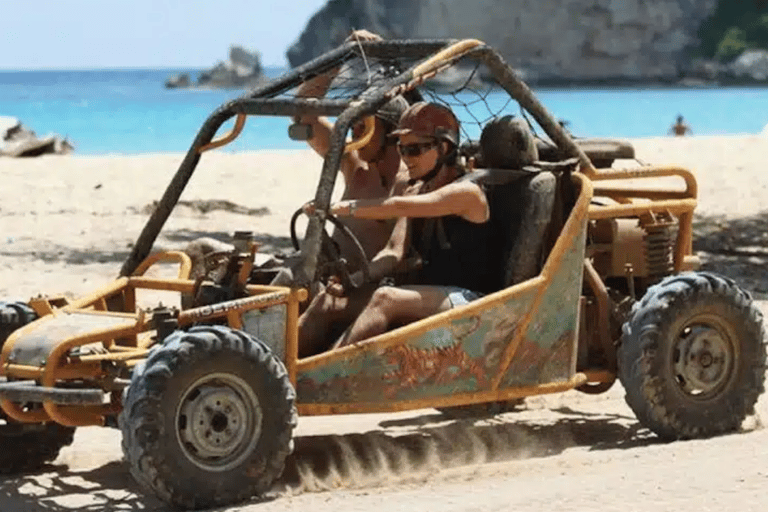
[208, 418]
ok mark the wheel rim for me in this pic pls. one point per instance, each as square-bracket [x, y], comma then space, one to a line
[704, 356]
[218, 422]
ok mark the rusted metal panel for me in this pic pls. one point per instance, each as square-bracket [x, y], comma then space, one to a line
[459, 357]
[547, 352]
[33, 344]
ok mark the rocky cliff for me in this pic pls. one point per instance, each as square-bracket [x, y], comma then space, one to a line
[569, 41]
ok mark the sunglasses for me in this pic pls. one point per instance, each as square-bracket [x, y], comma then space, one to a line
[415, 149]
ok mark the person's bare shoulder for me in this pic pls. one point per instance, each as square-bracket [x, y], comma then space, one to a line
[469, 199]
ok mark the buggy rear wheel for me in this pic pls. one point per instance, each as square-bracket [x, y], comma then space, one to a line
[692, 356]
[208, 418]
[26, 447]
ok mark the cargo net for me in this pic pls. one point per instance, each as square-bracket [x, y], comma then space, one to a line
[359, 73]
[470, 92]
[475, 99]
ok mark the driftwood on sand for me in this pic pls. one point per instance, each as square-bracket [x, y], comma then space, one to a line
[16, 141]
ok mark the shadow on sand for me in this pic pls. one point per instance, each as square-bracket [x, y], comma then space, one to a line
[735, 248]
[402, 450]
[172, 240]
[269, 243]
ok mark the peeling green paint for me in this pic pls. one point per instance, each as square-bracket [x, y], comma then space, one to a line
[548, 350]
[462, 356]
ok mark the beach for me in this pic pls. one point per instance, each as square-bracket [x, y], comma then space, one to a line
[68, 223]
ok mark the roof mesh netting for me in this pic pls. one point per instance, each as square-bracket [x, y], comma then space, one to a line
[466, 87]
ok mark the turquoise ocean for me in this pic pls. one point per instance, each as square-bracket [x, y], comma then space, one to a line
[130, 111]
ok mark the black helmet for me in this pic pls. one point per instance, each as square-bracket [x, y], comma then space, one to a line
[391, 111]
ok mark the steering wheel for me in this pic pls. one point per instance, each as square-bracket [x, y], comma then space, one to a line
[330, 261]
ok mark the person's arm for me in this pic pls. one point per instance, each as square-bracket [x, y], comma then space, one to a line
[321, 127]
[392, 254]
[386, 261]
[317, 88]
[463, 199]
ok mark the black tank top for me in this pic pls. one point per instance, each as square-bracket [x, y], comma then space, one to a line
[457, 252]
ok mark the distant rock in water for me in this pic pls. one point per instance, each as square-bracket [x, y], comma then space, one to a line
[16, 141]
[177, 81]
[242, 70]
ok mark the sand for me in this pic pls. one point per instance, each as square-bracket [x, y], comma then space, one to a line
[68, 223]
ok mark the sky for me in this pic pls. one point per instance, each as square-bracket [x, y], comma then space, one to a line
[89, 34]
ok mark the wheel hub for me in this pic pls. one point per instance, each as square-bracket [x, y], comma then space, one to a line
[703, 359]
[219, 422]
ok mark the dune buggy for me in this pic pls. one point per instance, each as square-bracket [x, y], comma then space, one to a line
[597, 283]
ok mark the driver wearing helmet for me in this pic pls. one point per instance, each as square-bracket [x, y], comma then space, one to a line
[440, 215]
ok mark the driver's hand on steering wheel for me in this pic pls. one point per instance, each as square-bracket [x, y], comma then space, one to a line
[340, 209]
[334, 287]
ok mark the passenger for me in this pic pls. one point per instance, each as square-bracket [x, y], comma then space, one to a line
[442, 216]
[373, 171]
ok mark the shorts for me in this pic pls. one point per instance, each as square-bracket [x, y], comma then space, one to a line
[460, 296]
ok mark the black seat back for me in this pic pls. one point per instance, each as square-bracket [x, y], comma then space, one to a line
[521, 205]
[521, 196]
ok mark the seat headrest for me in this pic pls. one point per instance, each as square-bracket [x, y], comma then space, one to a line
[508, 143]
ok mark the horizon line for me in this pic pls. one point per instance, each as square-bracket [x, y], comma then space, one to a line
[127, 68]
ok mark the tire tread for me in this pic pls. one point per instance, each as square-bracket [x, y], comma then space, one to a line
[141, 429]
[641, 342]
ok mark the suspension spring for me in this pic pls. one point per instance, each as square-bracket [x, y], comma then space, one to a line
[659, 248]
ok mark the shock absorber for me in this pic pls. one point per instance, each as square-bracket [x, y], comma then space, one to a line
[659, 239]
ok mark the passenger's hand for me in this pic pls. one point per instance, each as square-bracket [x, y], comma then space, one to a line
[363, 35]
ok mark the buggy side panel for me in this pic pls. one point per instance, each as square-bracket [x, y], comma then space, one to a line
[455, 352]
[547, 350]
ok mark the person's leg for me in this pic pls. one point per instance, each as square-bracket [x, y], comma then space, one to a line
[389, 305]
[324, 311]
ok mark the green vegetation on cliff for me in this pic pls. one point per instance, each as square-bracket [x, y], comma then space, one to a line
[735, 26]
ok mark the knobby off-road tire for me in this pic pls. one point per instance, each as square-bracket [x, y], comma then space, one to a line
[208, 418]
[14, 315]
[692, 356]
[26, 447]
